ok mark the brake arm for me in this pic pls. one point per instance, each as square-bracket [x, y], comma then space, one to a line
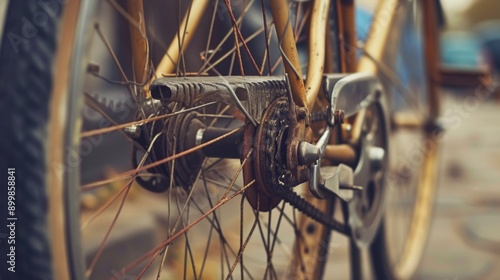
[348, 95]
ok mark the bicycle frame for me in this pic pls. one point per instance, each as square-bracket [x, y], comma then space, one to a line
[304, 94]
[376, 47]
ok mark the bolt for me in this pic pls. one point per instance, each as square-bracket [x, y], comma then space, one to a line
[338, 116]
[301, 113]
[133, 131]
[318, 116]
[376, 156]
[335, 117]
[352, 187]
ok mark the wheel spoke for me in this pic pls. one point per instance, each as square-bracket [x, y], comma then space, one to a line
[105, 239]
[115, 59]
[95, 132]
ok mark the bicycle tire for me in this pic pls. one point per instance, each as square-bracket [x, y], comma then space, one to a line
[28, 48]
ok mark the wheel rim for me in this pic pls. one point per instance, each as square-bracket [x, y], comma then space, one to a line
[418, 231]
[414, 166]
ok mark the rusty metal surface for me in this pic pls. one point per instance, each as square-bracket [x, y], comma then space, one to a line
[253, 94]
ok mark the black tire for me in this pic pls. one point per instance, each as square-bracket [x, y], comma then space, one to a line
[27, 55]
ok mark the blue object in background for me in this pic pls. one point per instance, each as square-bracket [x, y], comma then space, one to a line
[460, 49]
[408, 66]
[489, 35]
[363, 23]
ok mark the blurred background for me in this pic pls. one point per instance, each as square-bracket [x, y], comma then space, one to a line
[464, 242]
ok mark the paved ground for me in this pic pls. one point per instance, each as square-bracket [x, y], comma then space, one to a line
[465, 239]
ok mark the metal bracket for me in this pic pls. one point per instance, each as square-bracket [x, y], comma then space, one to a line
[250, 95]
[351, 93]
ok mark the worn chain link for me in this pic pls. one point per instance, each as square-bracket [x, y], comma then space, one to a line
[278, 122]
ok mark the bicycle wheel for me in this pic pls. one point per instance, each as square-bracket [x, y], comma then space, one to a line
[203, 227]
[410, 183]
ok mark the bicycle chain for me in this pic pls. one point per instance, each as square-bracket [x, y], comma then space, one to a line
[279, 122]
[311, 211]
[287, 193]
